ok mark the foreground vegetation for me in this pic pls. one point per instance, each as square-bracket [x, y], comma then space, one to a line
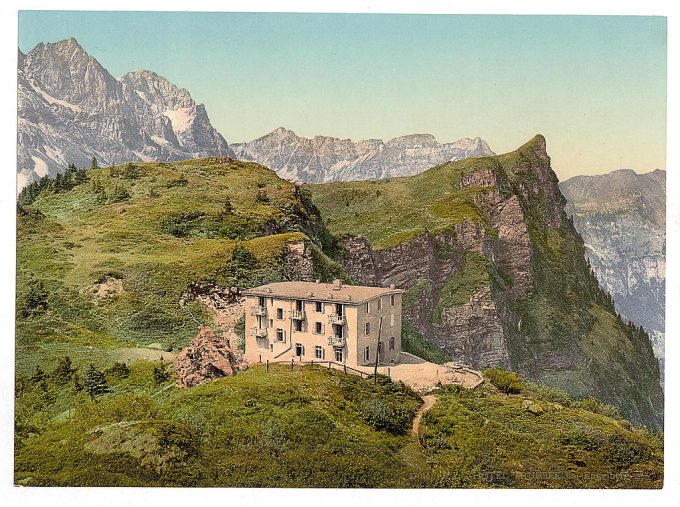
[311, 427]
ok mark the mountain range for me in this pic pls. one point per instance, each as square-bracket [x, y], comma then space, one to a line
[71, 109]
[324, 159]
[622, 218]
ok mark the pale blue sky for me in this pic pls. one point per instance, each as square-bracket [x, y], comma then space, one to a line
[594, 86]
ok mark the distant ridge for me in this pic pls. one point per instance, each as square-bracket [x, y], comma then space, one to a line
[325, 159]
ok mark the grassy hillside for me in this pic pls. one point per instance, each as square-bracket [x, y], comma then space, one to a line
[312, 427]
[392, 211]
[101, 265]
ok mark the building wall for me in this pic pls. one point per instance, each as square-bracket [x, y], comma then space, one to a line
[391, 328]
[268, 348]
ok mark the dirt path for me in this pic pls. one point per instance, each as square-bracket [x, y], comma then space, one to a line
[429, 401]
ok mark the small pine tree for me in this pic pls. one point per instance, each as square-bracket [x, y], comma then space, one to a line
[64, 371]
[94, 382]
[228, 208]
[160, 374]
[94, 164]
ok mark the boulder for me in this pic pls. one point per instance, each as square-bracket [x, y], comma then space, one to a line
[205, 358]
[532, 407]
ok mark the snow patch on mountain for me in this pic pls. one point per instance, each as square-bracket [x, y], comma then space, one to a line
[70, 109]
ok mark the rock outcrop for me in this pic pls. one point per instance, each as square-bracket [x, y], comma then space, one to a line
[71, 109]
[207, 357]
[510, 286]
[323, 158]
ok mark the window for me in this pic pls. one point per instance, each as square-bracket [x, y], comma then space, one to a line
[297, 326]
[318, 328]
[280, 335]
[299, 305]
[368, 328]
[319, 307]
[260, 301]
[271, 322]
[391, 342]
[392, 300]
[379, 303]
[338, 354]
[338, 310]
[367, 354]
[368, 307]
[299, 350]
[279, 313]
[318, 352]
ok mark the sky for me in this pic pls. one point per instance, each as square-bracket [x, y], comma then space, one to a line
[594, 86]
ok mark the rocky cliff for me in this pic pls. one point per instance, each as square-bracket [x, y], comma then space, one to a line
[496, 274]
[70, 109]
[622, 218]
[323, 158]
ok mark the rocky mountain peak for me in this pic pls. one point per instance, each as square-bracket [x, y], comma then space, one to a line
[71, 109]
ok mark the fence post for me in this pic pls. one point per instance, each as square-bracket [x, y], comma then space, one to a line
[388, 372]
[312, 362]
[292, 362]
[260, 358]
[267, 365]
[345, 366]
[329, 365]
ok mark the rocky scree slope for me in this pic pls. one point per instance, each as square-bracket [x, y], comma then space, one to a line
[496, 274]
[622, 219]
[324, 158]
[70, 109]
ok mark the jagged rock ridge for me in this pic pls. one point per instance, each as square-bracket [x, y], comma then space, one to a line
[323, 159]
[622, 218]
[70, 109]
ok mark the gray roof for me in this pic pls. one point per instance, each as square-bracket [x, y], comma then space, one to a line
[346, 294]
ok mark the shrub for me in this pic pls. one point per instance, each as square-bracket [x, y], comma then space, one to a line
[623, 453]
[381, 416]
[507, 382]
[118, 371]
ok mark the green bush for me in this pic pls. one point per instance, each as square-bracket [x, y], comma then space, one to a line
[381, 416]
[507, 382]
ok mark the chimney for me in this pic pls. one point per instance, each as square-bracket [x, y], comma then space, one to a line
[337, 284]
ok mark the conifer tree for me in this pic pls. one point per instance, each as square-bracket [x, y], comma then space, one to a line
[94, 382]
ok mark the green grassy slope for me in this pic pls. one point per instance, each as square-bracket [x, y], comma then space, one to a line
[149, 231]
[312, 427]
[565, 316]
[392, 211]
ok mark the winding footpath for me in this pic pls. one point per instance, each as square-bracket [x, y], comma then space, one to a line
[429, 401]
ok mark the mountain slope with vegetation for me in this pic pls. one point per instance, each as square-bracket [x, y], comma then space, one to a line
[104, 258]
[496, 274]
[314, 427]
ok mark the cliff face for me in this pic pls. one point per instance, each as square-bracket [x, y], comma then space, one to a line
[502, 280]
[622, 218]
